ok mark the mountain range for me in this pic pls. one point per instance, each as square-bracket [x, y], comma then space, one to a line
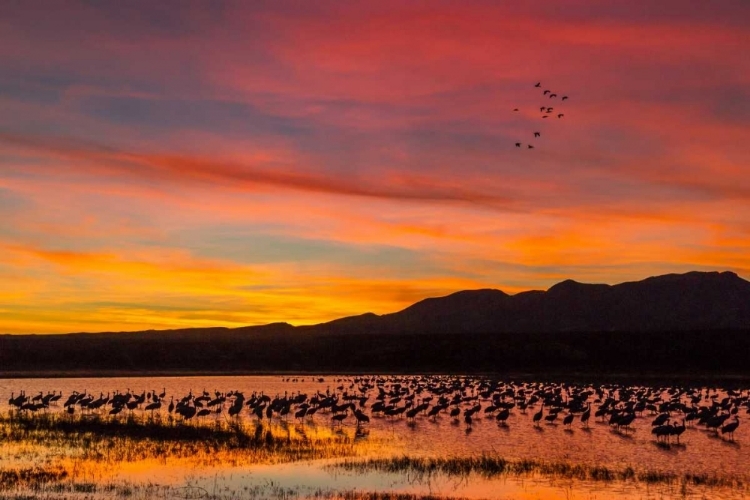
[673, 302]
[689, 324]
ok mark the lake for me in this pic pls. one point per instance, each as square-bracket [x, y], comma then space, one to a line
[700, 452]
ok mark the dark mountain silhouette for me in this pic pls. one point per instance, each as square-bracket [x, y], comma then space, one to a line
[679, 323]
[689, 301]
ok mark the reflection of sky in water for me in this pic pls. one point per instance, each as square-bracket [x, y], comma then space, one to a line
[702, 452]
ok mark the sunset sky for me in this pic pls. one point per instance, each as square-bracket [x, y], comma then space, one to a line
[172, 164]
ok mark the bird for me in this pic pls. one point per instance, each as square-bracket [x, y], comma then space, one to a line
[537, 134]
[549, 110]
[503, 416]
[585, 416]
[731, 427]
[518, 144]
[677, 430]
[339, 418]
[546, 92]
[531, 147]
[662, 431]
[515, 109]
[153, 406]
[538, 416]
[361, 417]
[564, 97]
[545, 116]
[560, 115]
[542, 109]
[568, 419]
[552, 96]
[538, 84]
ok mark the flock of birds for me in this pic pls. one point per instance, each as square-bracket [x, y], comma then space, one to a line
[545, 111]
[670, 409]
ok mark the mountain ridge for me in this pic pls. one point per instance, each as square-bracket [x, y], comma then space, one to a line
[673, 325]
[675, 302]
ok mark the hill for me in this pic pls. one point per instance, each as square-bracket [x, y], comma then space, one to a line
[679, 323]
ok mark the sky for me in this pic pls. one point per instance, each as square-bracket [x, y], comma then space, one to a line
[188, 164]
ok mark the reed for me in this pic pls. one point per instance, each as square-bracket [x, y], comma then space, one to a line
[490, 466]
[130, 439]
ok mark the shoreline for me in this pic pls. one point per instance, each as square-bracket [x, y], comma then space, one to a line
[577, 377]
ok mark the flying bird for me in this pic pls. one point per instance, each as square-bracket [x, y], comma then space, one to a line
[539, 84]
[564, 97]
[549, 110]
[560, 115]
[545, 116]
[537, 134]
[546, 92]
[515, 109]
[542, 109]
[531, 147]
[552, 95]
[518, 144]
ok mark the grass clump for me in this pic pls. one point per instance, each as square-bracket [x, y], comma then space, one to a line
[131, 439]
[490, 466]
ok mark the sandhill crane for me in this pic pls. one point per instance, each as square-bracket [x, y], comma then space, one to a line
[340, 417]
[585, 416]
[568, 419]
[502, 417]
[662, 431]
[677, 430]
[731, 427]
[538, 84]
[153, 406]
[538, 416]
[361, 417]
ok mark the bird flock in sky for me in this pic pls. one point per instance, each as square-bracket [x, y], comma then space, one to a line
[545, 111]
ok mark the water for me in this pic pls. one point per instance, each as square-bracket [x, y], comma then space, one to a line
[700, 451]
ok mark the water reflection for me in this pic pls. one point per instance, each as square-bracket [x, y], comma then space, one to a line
[516, 437]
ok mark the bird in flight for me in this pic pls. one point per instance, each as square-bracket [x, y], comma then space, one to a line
[552, 95]
[518, 144]
[545, 116]
[537, 134]
[546, 92]
[515, 109]
[538, 84]
[531, 147]
[542, 109]
[560, 115]
[549, 110]
[564, 97]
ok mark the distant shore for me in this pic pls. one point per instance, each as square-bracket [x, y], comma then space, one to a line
[726, 379]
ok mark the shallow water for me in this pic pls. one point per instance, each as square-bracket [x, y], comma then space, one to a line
[700, 451]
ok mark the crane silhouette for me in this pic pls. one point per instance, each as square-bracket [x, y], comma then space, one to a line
[731, 427]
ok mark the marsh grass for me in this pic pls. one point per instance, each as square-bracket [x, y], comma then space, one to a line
[131, 439]
[490, 467]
